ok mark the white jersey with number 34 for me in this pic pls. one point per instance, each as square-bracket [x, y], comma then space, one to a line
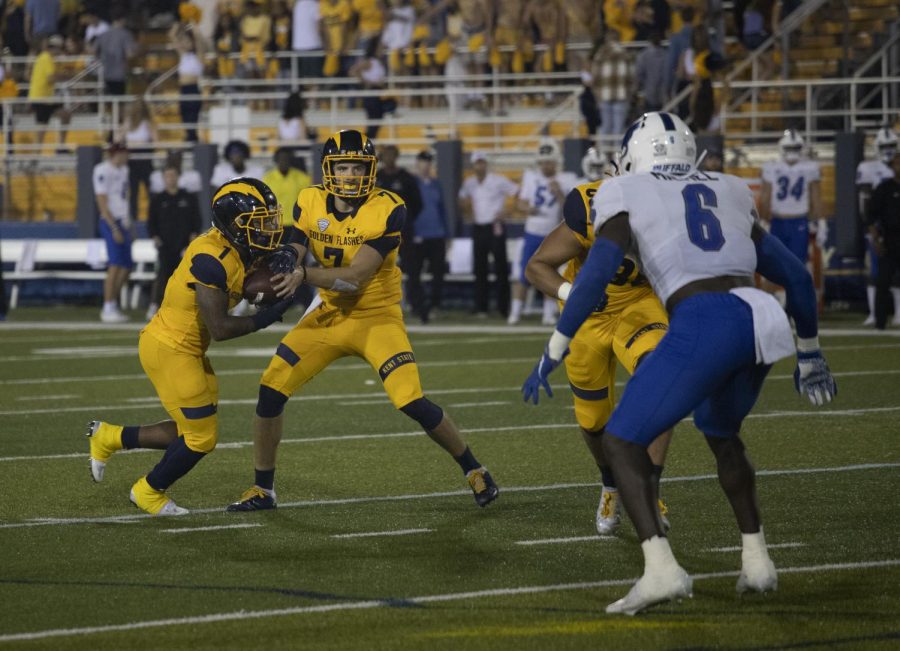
[686, 228]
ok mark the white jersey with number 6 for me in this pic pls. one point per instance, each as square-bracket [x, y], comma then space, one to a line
[790, 186]
[686, 228]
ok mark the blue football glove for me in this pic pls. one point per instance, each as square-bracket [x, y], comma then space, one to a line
[531, 390]
[275, 312]
[283, 261]
[813, 378]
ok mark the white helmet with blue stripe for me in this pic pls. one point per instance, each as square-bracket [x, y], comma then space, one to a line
[886, 145]
[791, 146]
[658, 142]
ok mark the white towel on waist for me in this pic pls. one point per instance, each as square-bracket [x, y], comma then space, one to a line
[772, 333]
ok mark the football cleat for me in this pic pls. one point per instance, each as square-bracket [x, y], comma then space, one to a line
[154, 502]
[113, 316]
[608, 512]
[757, 574]
[652, 589]
[482, 485]
[253, 499]
[663, 512]
[105, 439]
[870, 320]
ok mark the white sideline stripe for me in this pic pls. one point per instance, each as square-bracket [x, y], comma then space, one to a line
[489, 403]
[556, 541]
[235, 445]
[438, 598]
[61, 396]
[373, 534]
[216, 528]
[738, 548]
[37, 522]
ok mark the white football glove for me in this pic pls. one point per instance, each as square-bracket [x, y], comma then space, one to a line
[813, 378]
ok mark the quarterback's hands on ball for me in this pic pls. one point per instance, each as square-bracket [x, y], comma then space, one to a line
[813, 378]
[538, 378]
[285, 284]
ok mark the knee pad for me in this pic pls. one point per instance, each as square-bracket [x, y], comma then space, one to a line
[424, 412]
[270, 403]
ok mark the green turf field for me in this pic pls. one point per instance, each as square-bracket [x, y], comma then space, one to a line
[81, 568]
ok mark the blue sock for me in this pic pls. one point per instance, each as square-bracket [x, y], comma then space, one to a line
[266, 479]
[175, 464]
[606, 476]
[467, 461]
[130, 437]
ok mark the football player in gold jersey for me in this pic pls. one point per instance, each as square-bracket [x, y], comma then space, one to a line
[626, 328]
[172, 347]
[353, 230]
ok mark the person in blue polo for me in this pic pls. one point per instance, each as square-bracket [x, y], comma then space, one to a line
[111, 193]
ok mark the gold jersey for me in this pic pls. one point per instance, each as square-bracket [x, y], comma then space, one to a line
[628, 285]
[212, 261]
[334, 238]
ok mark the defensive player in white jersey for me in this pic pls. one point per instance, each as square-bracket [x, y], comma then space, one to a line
[869, 175]
[541, 197]
[791, 194]
[699, 246]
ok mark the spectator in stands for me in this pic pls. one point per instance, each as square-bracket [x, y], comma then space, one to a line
[286, 181]
[548, 20]
[138, 132]
[114, 49]
[649, 76]
[397, 34]
[14, 36]
[94, 26]
[429, 242]
[41, 90]
[235, 164]
[188, 180]
[335, 16]
[9, 89]
[705, 64]
[714, 161]
[619, 17]
[111, 194]
[482, 199]
[367, 21]
[587, 101]
[255, 29]
[306, 38]
[391, 176]
[279, 40]
[209, 16]
[612, 71]
[678, 43]
[651, 16]
[190, 47]
[583, 26]
[757, 28]
[173, 221]
[431, 32]
[41, 20]
[228, 41]
[372, 75]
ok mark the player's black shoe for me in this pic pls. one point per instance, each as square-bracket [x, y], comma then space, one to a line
[253, 499]
[482, 485]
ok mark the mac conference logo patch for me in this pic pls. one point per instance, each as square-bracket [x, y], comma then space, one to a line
[322, 224]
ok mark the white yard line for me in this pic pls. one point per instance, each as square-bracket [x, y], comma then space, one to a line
[214, 528]
[242, 615]
[375, 534]
[558, 541]
[38, 522]
[737, 548]
[61, 396]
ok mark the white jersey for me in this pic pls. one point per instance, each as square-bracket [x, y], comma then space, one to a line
[873, 172]
[686, 228]
[790, 186]
[546, 209]
[112, 181]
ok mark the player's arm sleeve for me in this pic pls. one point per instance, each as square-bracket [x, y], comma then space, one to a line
[599, 268]
[778, 264]
[209, 271]
[390, 238]
[575, 214]
[100, 182]
[767, 175]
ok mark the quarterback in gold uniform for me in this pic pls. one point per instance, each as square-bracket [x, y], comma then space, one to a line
[352, 229]
[208, 282]
[626, 328]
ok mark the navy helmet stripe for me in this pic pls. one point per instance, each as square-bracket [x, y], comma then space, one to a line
[667, 121]
[629, 132]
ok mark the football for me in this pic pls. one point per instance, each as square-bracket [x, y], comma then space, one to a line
[258, 285]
